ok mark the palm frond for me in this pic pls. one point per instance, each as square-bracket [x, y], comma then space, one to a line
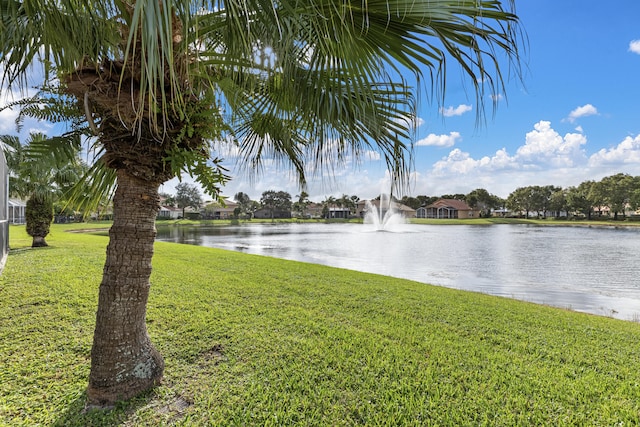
[13, 152]
[306, 83]
[54, 152]
[93, 190]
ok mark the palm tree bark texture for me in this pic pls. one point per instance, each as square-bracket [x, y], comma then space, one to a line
[121, 342]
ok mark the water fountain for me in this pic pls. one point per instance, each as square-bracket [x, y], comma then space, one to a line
[382, 215]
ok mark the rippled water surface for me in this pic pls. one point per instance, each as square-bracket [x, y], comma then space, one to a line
[596, 270]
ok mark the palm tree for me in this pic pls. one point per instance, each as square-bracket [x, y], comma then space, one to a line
[301, 205]
[39, 177]
[163, 83]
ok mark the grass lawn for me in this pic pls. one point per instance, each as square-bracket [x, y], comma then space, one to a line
[256, 341]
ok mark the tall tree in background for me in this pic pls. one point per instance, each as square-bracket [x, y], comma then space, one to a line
[483, 200]
[276, 201]
[578, 198]
[617, 192]
[300, 206]
[245, 207]
[311, 84]
[187, 196]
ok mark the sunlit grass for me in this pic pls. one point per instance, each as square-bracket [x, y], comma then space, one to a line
[251, 340]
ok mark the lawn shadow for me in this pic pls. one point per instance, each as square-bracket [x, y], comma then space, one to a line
[79, 414]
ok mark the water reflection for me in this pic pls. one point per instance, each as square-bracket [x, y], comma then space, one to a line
[594, 270]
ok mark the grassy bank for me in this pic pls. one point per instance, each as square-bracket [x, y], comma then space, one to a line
[252, 340]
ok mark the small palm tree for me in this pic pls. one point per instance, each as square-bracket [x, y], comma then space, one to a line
[39, 178]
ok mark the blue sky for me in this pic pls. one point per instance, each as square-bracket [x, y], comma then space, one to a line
[575, 115]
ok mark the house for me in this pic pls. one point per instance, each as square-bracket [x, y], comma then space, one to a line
[16, 211]
[336, 212]
[265, 213]
[447, 208]
[314, 210]
[502, 212]
[403, 210]
[215, 210]
[169, 212]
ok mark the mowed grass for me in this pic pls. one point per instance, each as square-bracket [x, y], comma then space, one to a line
[256, 341]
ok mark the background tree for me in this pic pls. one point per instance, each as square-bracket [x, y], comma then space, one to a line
[578, 199]
[537, 198]
[457, 196]
[40, 176]
[598, 196]
[276, 201]
[426, 200]
[300, 206]
[346, 201]
[309, 85]
[634, 199]
[187, 196]
[328, 203]
[558, 201]
[169, 199]
[484, 201]
[545, 198]
[520, 200]
[616, 191]
[412, 202]
[244, 204]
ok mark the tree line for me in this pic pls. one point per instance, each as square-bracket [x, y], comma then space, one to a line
[615, 194]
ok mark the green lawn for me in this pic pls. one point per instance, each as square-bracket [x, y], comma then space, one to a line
[255, 341]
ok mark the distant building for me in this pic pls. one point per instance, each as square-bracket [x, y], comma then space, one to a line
[217, 211]
[16, 211]
[265, 213]
[336, 212]
[169, 212]
[403, 210]
[447, 209]
[314, 210]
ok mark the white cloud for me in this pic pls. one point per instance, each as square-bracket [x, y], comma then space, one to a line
[585, 110]
[460, 162]
[546, 157]
[634, 46]
[7, 121]
[370, 155]
[411, 121]
[625, 153]
[439, 140]
[9, 115]
[543, 144]
[455, 111]
[543, 147]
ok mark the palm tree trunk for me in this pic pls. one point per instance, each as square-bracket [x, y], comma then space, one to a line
[124, 362]
[38, 242]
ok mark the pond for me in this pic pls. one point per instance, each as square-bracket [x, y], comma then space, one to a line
[589, 269]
